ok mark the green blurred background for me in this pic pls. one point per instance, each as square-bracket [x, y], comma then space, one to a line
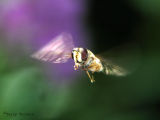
[28, 93]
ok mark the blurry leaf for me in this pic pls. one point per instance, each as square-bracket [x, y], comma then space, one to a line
[20, 91]
[26, 91]
[3, 61]
[151, 7]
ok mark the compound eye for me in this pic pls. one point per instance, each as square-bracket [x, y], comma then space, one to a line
[84, 54]
[72, 55]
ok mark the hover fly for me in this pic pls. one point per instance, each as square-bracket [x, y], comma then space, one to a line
[61, 48]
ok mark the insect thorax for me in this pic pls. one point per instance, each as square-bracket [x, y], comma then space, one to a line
[93, 63]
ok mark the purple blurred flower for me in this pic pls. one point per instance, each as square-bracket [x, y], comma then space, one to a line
[36, 22]
[15, 20]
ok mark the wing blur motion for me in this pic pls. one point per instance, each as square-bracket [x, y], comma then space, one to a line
[111, 69]
[58, 50]
[121, 60]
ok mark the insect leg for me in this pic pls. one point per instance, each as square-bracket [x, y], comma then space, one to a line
[76, 66]
[91, 78]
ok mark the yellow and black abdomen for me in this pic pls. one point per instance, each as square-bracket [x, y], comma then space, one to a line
[95, 65]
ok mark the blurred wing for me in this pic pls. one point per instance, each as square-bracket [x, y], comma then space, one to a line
[57, 50]
[121, 60]
[111, 68]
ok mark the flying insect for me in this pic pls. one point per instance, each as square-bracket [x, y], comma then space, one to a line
[61, 48]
